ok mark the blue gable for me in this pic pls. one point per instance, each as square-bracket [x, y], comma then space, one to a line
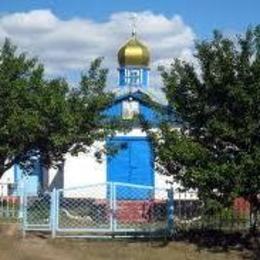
[149, 114]
[115, 110]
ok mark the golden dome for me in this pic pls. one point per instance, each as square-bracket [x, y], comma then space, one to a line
[133, 53]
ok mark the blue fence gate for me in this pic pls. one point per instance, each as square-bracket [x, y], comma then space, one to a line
[37, 211]
[108, 209]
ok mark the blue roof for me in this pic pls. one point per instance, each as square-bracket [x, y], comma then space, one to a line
[150, 107]
[154, 94]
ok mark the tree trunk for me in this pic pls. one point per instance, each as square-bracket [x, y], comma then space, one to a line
[2, 171]
[254, 210]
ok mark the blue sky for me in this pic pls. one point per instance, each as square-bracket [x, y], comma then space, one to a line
[202, 15]
[66, 35]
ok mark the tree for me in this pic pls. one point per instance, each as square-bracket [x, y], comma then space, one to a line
[73, 117]
[19, 81]
[46, 118]
[217, 150]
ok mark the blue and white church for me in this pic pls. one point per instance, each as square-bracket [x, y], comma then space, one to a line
[135, 163]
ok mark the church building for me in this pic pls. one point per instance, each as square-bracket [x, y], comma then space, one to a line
[134, 162]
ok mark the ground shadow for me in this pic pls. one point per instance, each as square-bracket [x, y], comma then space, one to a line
[221, 241]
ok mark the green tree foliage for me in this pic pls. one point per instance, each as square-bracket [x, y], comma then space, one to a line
[78, 120]
[46, 118]
[217, 149]
[20, 79]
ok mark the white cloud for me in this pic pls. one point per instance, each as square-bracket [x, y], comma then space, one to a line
[69, 45]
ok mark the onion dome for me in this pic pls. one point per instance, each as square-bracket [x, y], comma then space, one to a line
[133, 53]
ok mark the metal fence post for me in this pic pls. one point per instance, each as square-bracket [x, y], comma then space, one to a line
[57, 209]
[24, 213]
[114, 207]
[170, 212]
[21, 200]
[112, 212]
[53, 212]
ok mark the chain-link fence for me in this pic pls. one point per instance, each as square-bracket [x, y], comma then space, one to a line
[36, 211]
[114, 209]
[84, 209]
[120, 209]
[140, 209]
[192, 213]
[9, 203]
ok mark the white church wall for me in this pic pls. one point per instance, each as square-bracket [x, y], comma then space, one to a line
[163, 181]
[8, 176]
[51, 175]
[5, 181]
[136, 132]
[54, 178]
[84, 170]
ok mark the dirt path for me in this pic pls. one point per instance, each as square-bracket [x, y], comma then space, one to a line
[13, 247]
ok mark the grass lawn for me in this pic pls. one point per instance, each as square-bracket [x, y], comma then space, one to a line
[38, 247]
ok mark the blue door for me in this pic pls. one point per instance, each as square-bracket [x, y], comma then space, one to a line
[132, 163]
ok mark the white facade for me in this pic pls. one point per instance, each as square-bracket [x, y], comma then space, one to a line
[84, 170]
[5, 181]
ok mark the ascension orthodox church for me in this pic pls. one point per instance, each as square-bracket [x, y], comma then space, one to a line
[135, 163]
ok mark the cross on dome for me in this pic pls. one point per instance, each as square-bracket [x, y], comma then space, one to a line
[134, 52]
[133, 19]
